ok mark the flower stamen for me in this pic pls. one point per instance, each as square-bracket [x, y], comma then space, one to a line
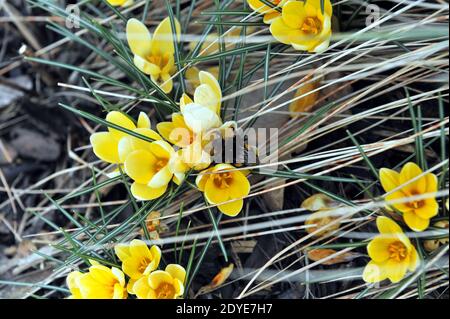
[223, 180]
[165, 291]
[397, 251]
[311, 25]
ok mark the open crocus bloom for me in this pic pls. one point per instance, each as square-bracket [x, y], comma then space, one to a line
[149, 168]
[391, 252]
[101, 283]
[304, 26]
[154, 55]
[416, 213]
[269, 13]
[168, 284]
[121, 3]
[114, 146]
[224, 183]
[137, 260]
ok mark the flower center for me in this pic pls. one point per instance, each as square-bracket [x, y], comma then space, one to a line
[160, 164]
[165, 291]
[397, 251]
[158, 60]
[311, 26]
[143, 265]
[223, 180]
[416, 204]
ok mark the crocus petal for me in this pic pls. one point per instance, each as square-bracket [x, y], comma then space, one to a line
[139, 249]
[389, 178]
[179, 288]
[214, 194]
[122, 251]
[166, 82]
[143, 192]
[211, 81]
[143, 121]
[105, 147]
[293, 14]
[233, 208]
[161, 149]
[328, 9]
[200, 119]
[165, 128]
[139, 166]
[373, 273]
[409, 172]
[415, 222]
[432, 183]
[429, 209]
[119, 275]
[156, 255]
[119, 119]
[185, 100]
[324, 44]
[138, 38]
[387, 226]
[163, 41]
[240, 185]
[161, 179]
[205, 96]
[125, 148]
[202, 178]
[101, 274]
[177, 272]
[395, 271]
[141, 288]
[177, 165]
[280, 30]
[146, 67]
[141, 144]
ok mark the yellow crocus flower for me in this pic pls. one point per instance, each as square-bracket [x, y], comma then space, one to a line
[106, 144]
[304, 26]
[391, 252]
[223, 183]
[416, 213]
[137, 260]
[149, 168]
[269, 13]
[99, 283]
[154, 55]
[168, 284]
[121, 3]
